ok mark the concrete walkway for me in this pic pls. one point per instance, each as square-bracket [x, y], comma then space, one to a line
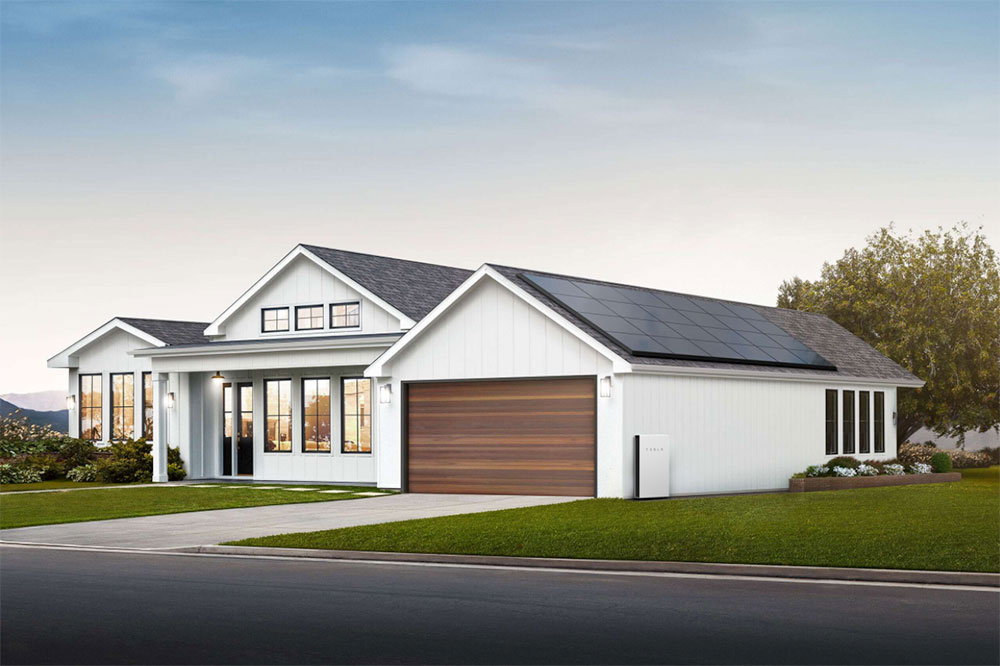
[202, 528]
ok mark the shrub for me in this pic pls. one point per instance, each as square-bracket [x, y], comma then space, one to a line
[893, 469]
[76, 452]
[920, 468]
[940, 462]
[817, 470]
[964, 459]
[131, 461]
[175, 472]
[18, 474]
[915, 453]
[992, 454]
[867, 470]
[16, 430]
[82, 473]
[910, 454]
[844, 471]
[48, 465]
[843, 461]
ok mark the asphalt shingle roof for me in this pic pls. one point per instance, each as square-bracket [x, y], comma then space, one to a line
[171, 332]
[412, 287]
[853, 356]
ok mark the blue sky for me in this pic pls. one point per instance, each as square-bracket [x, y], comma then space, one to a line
[713, 148]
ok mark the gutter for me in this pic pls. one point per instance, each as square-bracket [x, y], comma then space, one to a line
[214, 348]
[727, 373]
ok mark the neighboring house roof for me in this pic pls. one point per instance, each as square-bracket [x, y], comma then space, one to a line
[171, 332]
[853, 356]
[413, 287]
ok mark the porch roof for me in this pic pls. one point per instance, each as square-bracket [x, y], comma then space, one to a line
[358, 341]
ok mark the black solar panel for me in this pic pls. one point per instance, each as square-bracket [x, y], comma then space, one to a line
[649, 323]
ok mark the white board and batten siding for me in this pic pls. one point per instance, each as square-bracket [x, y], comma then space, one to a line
[736, 434]
[491, 333]
[303, 282]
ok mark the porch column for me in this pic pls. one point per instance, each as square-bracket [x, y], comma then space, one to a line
[160, 385]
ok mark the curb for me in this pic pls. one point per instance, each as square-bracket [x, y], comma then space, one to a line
[631, 566]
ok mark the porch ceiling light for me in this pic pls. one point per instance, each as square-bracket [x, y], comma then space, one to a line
[71, 402]
[604, 388]
[385, 394]
[217, 377]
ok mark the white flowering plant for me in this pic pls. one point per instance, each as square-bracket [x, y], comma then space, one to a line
[844, 471]
[920, 468]
[865, 469]
[817, 470]
[893, 469]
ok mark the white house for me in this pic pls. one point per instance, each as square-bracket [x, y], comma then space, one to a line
[344, 367]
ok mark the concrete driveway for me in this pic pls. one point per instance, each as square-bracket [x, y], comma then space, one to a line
[202, 528]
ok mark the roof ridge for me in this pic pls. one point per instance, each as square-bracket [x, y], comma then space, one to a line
[382, 256]
[171, 321]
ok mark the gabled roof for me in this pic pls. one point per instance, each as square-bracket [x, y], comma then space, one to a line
[852, 355]
[171, 332]
[413, 287]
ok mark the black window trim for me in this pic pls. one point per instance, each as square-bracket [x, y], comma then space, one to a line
[281, 330]
[79, 411]
[322, 324]
[291, 416]
[345, 328]
[302, 403]
[111, 390]
[343, 423]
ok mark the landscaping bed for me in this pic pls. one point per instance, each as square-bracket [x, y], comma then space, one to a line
[806, 485]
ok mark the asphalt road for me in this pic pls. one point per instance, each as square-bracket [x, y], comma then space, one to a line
[92, 607]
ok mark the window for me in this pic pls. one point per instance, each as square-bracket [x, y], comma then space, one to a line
[90, 407]
[278, 413]
[356, 400]
[273, 319]
[879, 422]
[864, 422]
[345, 315]
[316, 415]
[122, 406]
[308, 317]
[147, 406]
[848, 421]
[831, 422]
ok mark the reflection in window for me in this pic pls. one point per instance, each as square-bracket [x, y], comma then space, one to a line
[831, 422]
[90, 407]
[356, 394]
[308, 317]
[848, 421]
[278, 415]
[122, 406]
[316, 415]
[879, 422]
[273, 319]
[345, 315]
[147, 406]
[864, 423]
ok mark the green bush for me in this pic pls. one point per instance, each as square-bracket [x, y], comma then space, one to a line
[992, 454]
[82, 473]
[76, 452]
[19, 474]
[48, 465]
[131, 461]
[843, 461]
[940, 462]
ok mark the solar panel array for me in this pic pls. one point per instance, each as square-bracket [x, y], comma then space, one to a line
[665, 325]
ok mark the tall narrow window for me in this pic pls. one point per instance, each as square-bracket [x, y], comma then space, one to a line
[308, 317]
[273, 319]
[879, 422]
[227, 429]
[90, 407]
[278, 413]
[147, 406]
[122, 406]
[316, 415]
[831, 422]
[356, 396]
[864, 422]
[848, 421]
[345, 315]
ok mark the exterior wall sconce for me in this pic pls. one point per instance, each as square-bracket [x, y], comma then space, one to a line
[385, 394]
[604, 387]
[217, 377]
[71, 402]
[171, 399]
[894, 418]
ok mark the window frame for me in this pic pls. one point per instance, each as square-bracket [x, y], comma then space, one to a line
[345, 327]
[322, 323]
[864, 422]
[288, 321]
[90, 409]
[279, 416]
[831, 424]
[343, 420]
[126, 407]
[302, 403]
[147, 433]
[878, 418]
[848, 446]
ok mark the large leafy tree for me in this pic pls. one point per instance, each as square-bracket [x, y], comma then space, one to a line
[930, 302]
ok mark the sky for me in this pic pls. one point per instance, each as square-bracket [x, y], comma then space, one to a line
[156, 159]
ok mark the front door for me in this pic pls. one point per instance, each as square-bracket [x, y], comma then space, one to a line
[244, 441]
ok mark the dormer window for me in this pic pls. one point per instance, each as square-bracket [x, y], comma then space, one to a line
[273, 320]
[345, 315]
[308, 317]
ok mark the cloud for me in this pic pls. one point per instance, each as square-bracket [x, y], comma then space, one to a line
[200, 76]
[461, 73]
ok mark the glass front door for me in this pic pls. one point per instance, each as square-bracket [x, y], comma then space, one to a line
[237, 428]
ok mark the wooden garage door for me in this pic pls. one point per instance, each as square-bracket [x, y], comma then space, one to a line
[516, 437]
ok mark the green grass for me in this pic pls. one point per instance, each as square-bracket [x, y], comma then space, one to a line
[948, 526]
[48, 485]
[22, 510]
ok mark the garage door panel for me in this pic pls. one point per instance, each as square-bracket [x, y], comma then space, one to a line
[514, 436]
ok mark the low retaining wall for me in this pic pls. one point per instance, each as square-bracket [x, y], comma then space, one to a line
[808, 485]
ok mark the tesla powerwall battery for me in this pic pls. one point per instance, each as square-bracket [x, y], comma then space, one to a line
[652, 460]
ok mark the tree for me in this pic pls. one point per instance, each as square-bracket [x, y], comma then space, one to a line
[932, 304]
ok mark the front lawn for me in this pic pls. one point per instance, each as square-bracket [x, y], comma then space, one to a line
[60, 484]
[948, 526]
[24, 509]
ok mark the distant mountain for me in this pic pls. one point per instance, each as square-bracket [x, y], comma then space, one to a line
[56, 419]
[43, 401]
